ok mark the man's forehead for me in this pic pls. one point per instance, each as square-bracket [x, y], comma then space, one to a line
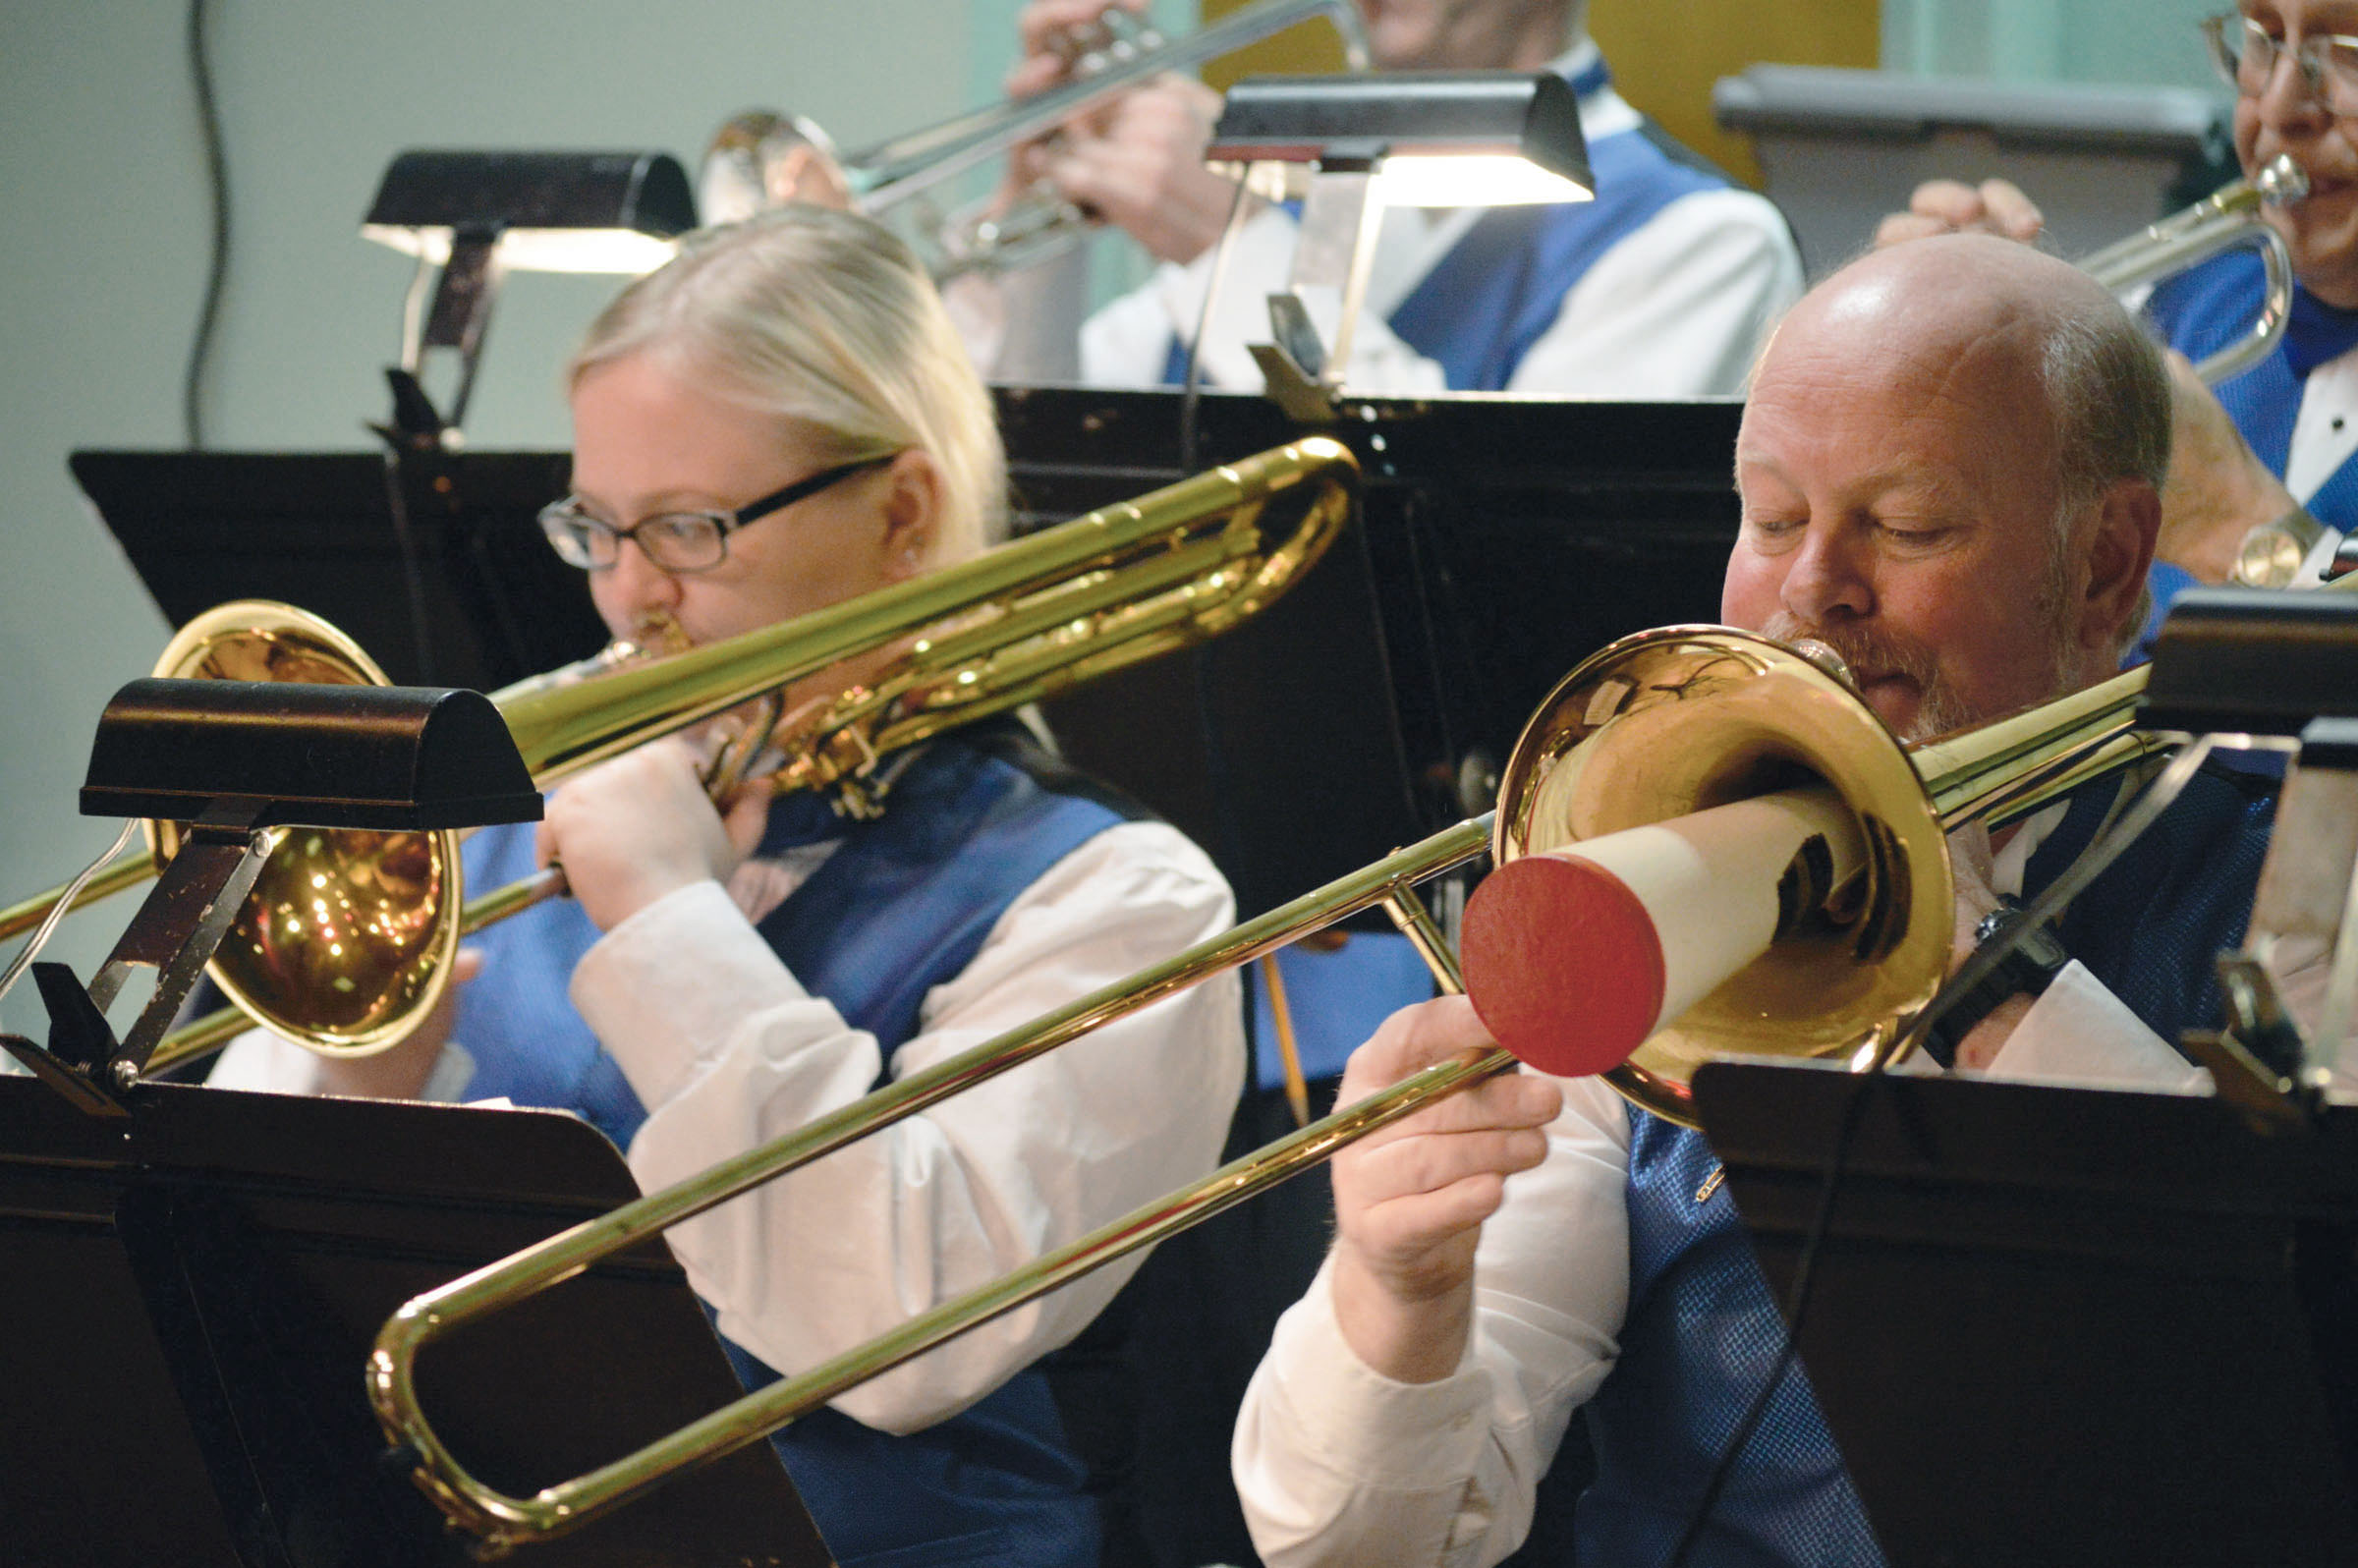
[1923, 476]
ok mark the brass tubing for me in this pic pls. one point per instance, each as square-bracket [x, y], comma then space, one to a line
[1409, 915]
[217, 1029]
[561, 1256]
[507, 1521]
[892, 172]
[18, 918]
[2010, 769]
[564, 731]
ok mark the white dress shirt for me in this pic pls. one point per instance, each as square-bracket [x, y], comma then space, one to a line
[2325, 436]
[1336, 1464]
[1675, 309]
[727, 1050]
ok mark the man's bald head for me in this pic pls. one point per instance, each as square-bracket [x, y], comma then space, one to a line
[1971, 300]
[1951, 462]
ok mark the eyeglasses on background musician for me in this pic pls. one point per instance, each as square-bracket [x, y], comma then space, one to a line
[2264, 488]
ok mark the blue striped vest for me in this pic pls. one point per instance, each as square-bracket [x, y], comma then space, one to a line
[1702, 1330]
[1500, 287]
[901, 904]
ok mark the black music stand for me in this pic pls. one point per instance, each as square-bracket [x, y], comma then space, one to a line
[463, 560]
[1502, 540]
[2056, 1325]
[187, 1307]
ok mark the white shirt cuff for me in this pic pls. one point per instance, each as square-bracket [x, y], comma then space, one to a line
[685, 969]
[1362, 1425]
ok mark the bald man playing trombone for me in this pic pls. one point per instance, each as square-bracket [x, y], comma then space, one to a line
[1950, 467]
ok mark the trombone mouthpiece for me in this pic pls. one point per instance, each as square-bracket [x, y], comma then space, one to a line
[1825, 658]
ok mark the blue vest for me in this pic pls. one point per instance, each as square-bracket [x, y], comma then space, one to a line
[2208, 307]
[1703, 1331]
[900, 906]
[1500, 287]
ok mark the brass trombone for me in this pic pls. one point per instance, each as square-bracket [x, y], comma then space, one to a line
[2229, 218]
[348, 940]
[1651, 727]
[766, 157]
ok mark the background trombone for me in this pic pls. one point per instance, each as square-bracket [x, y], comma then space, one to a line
[765, 157]
[1023, 621]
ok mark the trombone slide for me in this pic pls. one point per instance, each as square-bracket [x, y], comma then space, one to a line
[504, 1519]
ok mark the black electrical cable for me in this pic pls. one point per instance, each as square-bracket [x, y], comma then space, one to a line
[216, 168]
[405, 538]
[2143, 813]
[1190, 384]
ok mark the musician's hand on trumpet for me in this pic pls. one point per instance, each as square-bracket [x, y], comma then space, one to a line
[638, 828]
[1951, 206]
[1136, 162]
[1410, 1200]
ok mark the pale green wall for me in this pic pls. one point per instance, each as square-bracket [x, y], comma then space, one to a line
[104, 257]
[2141, 42]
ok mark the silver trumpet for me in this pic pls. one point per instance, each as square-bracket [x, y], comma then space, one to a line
[766, 157]
[2230, 216]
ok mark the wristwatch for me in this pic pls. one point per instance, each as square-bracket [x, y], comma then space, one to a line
[2271, 553]
[2027, 969]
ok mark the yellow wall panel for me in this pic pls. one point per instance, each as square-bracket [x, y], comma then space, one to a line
[1308, 49]
[1665, 55]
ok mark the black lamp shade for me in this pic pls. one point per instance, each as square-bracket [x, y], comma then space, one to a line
[643, 191]
[394, 757]
[1359, 118]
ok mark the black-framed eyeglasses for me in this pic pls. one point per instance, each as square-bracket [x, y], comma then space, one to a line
[679, 542]
[2246, 54]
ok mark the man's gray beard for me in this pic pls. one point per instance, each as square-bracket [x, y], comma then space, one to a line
[1940, 710]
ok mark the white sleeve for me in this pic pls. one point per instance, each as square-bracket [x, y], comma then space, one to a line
[1677, 308]
[264, 1062]
[267, 1063]
[2078, 1032]
[728, 1052]
[1339, 1464]
[1128, 342]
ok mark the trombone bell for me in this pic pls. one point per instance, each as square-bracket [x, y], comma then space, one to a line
[353, 932]
[1677, 721]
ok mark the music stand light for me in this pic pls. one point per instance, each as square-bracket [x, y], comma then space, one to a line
[1349, 145]
[474, 216]
[238, 760]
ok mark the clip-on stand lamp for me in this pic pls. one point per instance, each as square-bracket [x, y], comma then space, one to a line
[1348, 146]
[2269, 670]
[238, 761]
[475, 216]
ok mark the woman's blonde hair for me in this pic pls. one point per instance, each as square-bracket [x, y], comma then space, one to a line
[827, 318]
